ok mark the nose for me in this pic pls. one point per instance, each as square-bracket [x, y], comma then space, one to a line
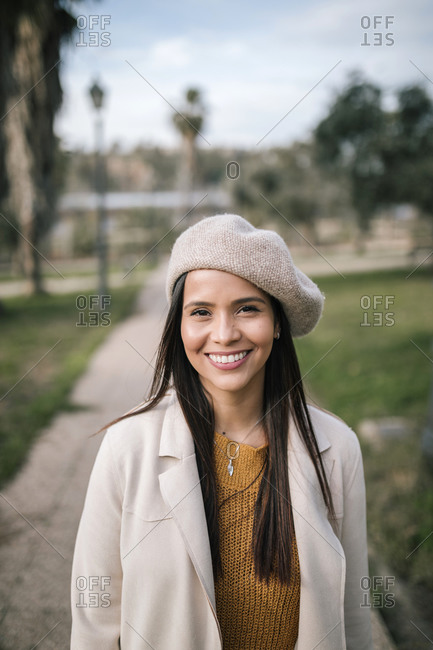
[225, 330]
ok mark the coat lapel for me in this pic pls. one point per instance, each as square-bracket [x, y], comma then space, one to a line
[181, 490]
[321, 556]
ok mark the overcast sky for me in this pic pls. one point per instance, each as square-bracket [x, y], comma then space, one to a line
[267, 70]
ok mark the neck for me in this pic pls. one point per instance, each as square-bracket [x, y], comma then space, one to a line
[239, 417]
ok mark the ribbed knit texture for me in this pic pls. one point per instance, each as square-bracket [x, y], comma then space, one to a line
[252, 614]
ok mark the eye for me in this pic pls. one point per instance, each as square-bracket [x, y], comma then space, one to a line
[200, 312]
[248, 309]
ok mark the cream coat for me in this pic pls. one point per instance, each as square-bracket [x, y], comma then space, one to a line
[142, 570]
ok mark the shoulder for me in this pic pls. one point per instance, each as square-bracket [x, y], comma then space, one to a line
[341, 456]
[333, 433]
[139, 430]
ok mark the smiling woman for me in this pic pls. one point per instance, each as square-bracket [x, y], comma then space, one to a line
[228, 329]
[225, 511]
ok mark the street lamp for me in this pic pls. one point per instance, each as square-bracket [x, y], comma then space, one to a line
[97, 96]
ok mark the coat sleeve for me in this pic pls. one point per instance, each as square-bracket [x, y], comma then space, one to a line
[97, 572]
[354, 542]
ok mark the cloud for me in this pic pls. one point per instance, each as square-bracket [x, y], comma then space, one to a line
[170, 53]
[252, 72]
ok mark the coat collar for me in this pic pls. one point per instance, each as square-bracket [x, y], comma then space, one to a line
[176, 438]
[296, 443]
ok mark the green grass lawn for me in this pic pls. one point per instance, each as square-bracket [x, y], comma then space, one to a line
[43, 351]
[373, 372]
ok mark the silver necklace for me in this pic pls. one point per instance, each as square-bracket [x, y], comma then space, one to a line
[229, 453]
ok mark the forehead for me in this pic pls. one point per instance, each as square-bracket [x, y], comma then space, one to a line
[203, 282]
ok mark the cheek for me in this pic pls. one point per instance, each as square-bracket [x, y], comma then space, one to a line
[263, 335]
[191, 337]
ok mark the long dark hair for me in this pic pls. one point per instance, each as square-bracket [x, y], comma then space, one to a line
[273, 527]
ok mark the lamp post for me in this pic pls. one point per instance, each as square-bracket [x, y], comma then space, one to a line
[97, 95]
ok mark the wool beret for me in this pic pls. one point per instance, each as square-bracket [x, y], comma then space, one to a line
[227, 242]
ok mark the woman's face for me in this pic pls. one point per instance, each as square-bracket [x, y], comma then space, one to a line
[227, 330]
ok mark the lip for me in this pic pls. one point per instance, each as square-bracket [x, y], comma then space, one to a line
[230, 365]
[220, 353]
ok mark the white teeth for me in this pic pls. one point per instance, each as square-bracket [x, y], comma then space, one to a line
[228, 358]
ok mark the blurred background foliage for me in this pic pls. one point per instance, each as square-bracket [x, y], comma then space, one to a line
[362, 162]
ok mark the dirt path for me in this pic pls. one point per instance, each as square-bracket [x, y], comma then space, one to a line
[41, 507]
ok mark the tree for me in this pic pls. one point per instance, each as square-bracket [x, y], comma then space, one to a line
[31, 34]
[285, 187]
[409, 166]
[408, 151]
[388, 155]
[189, 122]
[349, 141]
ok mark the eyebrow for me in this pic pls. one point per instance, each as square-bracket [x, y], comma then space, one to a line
[204, 303]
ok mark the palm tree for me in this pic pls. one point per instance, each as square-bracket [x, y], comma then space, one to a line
[189, 123]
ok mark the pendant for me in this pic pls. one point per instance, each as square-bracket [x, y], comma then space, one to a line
[231, 456]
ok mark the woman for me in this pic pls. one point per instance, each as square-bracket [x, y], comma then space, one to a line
[225, 512]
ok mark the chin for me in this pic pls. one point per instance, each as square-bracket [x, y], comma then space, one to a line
[228, 384]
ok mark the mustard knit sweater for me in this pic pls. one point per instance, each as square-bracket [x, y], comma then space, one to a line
[252, 614]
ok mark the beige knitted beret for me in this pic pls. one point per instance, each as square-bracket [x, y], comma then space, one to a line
[229, 243]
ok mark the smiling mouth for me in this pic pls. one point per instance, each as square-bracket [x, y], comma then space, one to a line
[228, 358]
